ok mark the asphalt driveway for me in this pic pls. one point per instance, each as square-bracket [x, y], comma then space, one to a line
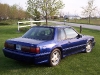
[94, 27]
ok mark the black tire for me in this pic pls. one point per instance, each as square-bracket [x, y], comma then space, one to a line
[55, 57]
[88, 47]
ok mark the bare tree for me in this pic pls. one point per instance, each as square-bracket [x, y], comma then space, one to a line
[89, 10]
[98, 13]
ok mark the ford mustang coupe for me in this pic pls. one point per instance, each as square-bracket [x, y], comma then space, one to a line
[47, 44]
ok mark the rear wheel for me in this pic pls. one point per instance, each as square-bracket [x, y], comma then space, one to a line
[88, 47]
[55, 57]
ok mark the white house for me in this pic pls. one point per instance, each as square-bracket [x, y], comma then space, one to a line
[72, 17]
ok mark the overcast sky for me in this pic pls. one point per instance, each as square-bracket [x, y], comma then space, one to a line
[71, 6]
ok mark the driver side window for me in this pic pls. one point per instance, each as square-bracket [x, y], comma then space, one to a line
[70, 33]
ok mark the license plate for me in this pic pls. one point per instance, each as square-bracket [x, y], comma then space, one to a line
[18, 47]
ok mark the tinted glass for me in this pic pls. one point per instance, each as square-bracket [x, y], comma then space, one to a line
[40, 33]
[70, 33]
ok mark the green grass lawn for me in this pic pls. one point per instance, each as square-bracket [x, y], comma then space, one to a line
[78, 64]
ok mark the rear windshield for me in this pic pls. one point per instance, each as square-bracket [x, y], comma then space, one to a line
[40, 33]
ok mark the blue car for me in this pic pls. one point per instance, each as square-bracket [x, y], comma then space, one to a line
[47, 44]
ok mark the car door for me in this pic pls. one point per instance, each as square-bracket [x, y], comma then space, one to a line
[63, 42]
[69, 41]
[75, 41]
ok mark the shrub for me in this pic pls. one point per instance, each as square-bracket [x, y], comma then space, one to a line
[8, 22]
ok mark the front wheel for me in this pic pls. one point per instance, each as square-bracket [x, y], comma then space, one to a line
[88, 47]
[55, 57]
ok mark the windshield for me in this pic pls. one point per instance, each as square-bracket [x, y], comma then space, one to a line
[40, 33]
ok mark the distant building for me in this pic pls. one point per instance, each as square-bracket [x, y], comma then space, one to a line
[72, 17]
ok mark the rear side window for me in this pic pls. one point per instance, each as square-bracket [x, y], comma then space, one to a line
[61, 35]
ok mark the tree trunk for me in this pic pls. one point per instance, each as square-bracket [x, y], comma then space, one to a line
[46, 18]
[46, 15]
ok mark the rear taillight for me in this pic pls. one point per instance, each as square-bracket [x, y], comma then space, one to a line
[5, 45]
[8, 45]
[25, 49]
[30, 49]
[35, 50]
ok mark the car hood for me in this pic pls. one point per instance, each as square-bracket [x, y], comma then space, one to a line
[88, 36]
[24, 41]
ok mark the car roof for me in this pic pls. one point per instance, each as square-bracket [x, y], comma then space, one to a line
[54, 26]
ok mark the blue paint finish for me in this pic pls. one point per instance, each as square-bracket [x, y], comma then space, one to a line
[68, 46]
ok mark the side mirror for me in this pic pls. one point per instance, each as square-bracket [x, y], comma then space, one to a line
[79, 36]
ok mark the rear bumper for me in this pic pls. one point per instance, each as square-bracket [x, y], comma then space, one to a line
[26, 57]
